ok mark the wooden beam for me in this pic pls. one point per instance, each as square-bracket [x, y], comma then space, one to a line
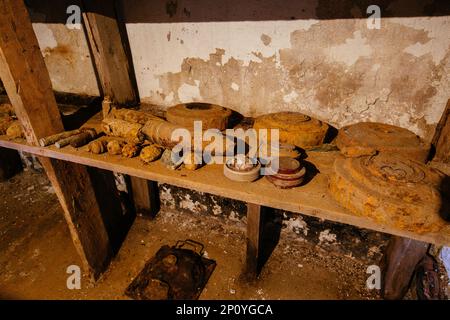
[109, 45]
[311, 199]
[108, 42]
[28, 85]
[398, 264]
[441, 139]
[145, 196]
[254, 237]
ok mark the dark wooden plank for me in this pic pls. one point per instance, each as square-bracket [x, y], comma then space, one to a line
[441, 139]
[399, 262]
[28, 85]
[254, 237]
[145, 196]
[109, 46]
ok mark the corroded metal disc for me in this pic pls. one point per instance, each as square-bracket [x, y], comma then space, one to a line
[394, 191]
[367, 138]
[295, 128]
[212, 116]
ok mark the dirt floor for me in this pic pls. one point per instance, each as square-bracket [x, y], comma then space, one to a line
[36, 249]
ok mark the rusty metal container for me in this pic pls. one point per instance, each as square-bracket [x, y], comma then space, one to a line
[212, 116]
[368, 138]
[295, 128]
[393, 191]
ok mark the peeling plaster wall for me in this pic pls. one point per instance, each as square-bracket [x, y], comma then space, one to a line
[66, 52]
[337, 70]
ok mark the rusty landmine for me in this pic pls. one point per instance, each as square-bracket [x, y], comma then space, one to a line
[212, 116]
[294, 128]
[368, 138]
[174, 273]
[393, 191]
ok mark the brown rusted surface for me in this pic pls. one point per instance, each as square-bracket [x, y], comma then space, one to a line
[290, 173]
[211, 115]
[368, 138]
[175, 273]
[393, 191]
[124, 129]
[295, 128]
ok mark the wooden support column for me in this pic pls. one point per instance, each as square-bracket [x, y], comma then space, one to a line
[398, 264]
[254, 237]
[27, 82]
[109, 45]
[145, 196]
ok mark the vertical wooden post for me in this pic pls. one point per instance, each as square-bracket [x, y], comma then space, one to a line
[254, 237]
[145, 196]
[399, 262]
[109, 46]
[28, 85]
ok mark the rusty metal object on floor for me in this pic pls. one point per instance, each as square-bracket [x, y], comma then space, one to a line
[393, 191]
[241, 169]
[174, 273]
[368, 138]
[294, 128]
[212, 116]
[290, 173]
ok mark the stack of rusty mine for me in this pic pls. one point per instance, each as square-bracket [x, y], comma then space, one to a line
[296, 130]
[287, 173]
[9, 125]
[383, 177]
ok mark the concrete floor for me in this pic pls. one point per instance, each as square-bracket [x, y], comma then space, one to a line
[36, 249]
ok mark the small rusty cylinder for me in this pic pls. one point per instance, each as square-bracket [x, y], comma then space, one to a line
[15, 130]
[130, 150]
[115, 147]
[368, 138]
[150, 153]
[83, 138]
[43, 142]
[124, 129]
[77, 140]
[97, 146]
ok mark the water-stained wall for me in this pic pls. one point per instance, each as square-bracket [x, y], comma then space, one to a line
[258, 56]
[309, 56]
